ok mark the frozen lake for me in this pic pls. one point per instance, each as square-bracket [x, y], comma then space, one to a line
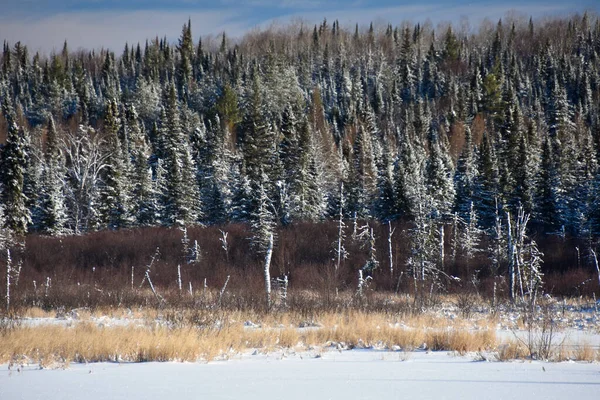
[355, 374]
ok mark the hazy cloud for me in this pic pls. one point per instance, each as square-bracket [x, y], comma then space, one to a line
[113, 29]
[44, 24]
[422, 12]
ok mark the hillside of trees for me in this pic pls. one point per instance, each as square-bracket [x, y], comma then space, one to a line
[471, 147]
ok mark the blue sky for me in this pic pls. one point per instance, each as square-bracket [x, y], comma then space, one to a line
[44, 24]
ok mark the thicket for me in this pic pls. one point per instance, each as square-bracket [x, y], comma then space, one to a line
[107, 269]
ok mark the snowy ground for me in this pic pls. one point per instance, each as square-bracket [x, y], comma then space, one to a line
[356, 374]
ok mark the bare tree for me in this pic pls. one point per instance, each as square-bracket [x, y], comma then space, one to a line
[524, 259]
[85, 160]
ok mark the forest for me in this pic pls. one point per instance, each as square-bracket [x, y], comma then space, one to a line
[396, 158]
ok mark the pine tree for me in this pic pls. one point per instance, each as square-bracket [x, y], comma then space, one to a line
[259, 141]
[525, 170]
[115, 207]
[14, 163]
[144, 204]
[464, 178]
[440, 189]
[52, 214]
[361, 156]
[470, 236]
[548, 193]
[186, 56]
[6, 236]
[486, 184]
[241, 207]
[409, 178]
[385, 201]
[180, 197]
[581, 205]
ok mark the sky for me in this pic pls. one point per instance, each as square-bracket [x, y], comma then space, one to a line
[44, 25]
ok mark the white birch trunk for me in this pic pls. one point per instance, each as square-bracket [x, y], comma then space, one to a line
[340, 228]
[267, 272]
[511, 260]
[8, 272]
[391, 255]
[179, 277]
[222, 292]
[442, 255]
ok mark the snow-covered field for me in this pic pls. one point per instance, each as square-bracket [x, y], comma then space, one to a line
[355, 374]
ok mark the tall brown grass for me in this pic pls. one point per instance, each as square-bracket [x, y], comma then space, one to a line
[193, 335]
[191, 338]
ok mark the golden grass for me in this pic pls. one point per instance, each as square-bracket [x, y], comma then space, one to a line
[512, 350]
[191, 335]
[89, 343]
[183, 338]
[585, 352]
[582, 352]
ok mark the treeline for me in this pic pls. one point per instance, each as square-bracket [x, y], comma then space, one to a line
[464, 137]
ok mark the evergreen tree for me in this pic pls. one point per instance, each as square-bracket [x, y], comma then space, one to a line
[262, 219]
[114, 208]
[180, 134]
[440, 189]
[180, 197]
[409, 178]
[525, 170]
[144, 207]
[14, 163]
[186, 56]
[259, 141]
[361, 186]
[464, 177]
[486, 184]
[52, 216]
[548, 194]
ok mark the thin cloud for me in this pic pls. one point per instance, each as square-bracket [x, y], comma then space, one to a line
[420, 13]
[87, 27]
[94, 30]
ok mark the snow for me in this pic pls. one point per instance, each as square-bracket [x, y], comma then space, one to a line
[566, 337]
[355, 374]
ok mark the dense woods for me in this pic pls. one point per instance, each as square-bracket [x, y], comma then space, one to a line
[406, 154]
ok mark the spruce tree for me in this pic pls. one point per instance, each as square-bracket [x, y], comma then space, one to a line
[259, 141]
[464, 177]
[14, 163]
[52, 214]
[440, 189]
[486, 184]
[115, 207]
[180, 196]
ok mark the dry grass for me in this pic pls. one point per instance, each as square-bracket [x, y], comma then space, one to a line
[582, 352]
[512, 350]
[585, 352]
[461, 341]
[192, 336]
[89, 343]
[206, 334]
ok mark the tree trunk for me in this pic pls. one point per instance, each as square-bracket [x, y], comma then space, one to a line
[267, 273]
